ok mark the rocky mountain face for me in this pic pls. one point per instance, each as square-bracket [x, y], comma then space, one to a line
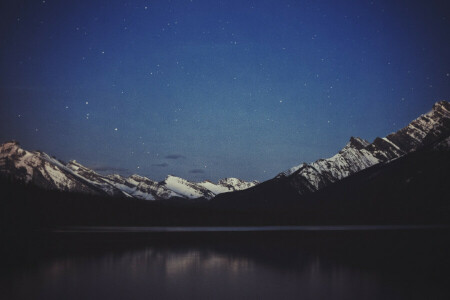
[359, 154]
[45, 171]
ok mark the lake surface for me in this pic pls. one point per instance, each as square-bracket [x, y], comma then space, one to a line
[400, 263]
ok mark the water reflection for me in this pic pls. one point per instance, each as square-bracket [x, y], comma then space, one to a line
[262, 267]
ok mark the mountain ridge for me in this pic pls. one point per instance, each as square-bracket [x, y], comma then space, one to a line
[50, 173]
[356, 156]
[359, 154]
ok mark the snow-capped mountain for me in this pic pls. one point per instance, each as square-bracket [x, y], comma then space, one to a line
[359, 154]
[48, 172]
[39, 168]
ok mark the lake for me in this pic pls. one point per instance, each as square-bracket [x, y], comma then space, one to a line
[276, 263]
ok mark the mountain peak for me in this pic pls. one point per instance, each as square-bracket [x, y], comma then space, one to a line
[10, 148]
[137, 176]
[12, 142]
[357, 143]
[443, 104]
[173, 177]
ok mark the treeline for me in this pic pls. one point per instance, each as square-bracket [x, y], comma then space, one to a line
[25, 206]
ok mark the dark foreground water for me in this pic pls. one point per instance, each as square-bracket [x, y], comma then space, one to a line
[295, 264]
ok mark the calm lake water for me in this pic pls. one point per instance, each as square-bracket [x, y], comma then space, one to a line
[289, 264]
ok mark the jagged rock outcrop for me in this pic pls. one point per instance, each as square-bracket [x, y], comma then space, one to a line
[359, 154]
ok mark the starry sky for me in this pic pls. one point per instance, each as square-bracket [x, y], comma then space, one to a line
[206, 89]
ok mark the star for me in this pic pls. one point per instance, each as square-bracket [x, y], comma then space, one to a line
[87, 102]
[115, 129]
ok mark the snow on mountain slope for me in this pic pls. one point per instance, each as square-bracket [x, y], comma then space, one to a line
[41, 169]
[215, 188]
[49, 173]
[142, 187]
[359, 154]
[187, 189]
[237, 184]
[227, 185]
[94, 178]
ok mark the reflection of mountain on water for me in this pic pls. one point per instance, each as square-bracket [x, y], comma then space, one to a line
[338, 265]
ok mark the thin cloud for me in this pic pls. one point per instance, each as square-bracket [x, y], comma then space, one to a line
[162, 165]
[174, 156]
[197, 171]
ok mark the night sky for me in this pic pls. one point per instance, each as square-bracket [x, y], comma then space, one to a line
[212, 89]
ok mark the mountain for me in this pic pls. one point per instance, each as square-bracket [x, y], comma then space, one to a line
[50, 173]
[359, 154]
[400, 179]
[356, 156]
[412, 189]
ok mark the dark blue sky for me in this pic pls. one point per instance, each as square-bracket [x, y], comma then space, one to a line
[213, 89]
